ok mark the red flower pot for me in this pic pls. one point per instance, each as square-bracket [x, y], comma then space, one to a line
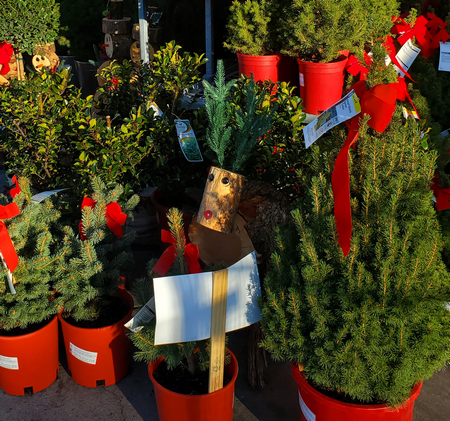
[314, 403]
[216, 406]
[29, 363]
[321, 84]
[262, 67]
[98, 356]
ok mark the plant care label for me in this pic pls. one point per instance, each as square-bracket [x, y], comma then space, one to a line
[406, 56]
[83, 355]
[188, 141]
[11, 363]
[144, 315]
[407, 113]
[307, 413]
[38, 198]
[444, 57]
[183, 303]
[156, 110]
[343, 110]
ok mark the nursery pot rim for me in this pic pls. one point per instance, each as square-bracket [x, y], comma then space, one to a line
[29, 334]
[230, 384]
[415, 391]
[268, 55]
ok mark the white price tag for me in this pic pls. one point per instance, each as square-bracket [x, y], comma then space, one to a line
[11, 363]
[406, 56]
[307, 413]
[83, 355]
[144, 315]
[444, 57]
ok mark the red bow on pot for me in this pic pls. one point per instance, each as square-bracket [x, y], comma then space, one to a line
[168, 257]
[115, 218]
[6, 51]
[442, 195]
[379, 103]
[6, 246]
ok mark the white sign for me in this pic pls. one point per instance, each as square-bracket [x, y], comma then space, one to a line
[183, 303]
[144, 315]
[406, 56]
[444, 57]
[11, 363]
[83, 355]
[343, 110]
[307, 413]
[38, 198]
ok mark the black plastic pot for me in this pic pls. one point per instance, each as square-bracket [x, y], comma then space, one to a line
[86, 75]
[69, 61]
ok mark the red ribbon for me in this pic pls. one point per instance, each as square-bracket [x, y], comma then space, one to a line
[6, 51]
[16, 189]
[6, 245]
[115, 218]
[379, 103]
[164, 263]
[442, 195]
[418, 31]
[390, 48]
[355, 68]
[437, 33]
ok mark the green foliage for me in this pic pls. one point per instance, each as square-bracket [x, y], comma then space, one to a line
[40, 116]
[28, 23]
[374, 324]
[319, 30]
[40, 253]
[250, 125]
[251, 29]
[174, 354]
[90, 274]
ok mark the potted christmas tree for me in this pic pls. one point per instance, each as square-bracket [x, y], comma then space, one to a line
[179, 371]
[28, 303]
[95, 308]
[369, 328]
[320, 33]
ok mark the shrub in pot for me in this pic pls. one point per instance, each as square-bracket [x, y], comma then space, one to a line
[28, 303]
[95, 308]
[370, 327]
[180, 368]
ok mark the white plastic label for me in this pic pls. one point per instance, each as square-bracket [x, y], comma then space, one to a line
[301, 79]
[145, 314]
[444, 57]
[82, 355]
[307, 413]
[11, 363]
[405, 56]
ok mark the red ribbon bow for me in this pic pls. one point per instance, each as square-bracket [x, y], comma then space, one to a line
[437, 33]
[6, 246]
[16, 189]
[379, 103]
[168, 257]
[442, 195]
[115, 218]
[355, 68]
[418, 31]
[6, 51]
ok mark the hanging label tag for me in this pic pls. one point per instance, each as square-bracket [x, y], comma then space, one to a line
[188, 141]
[301, 79]
[144, 315]
[444, 57]
[156, 110]
[82, 355]
[406, 56]
[11, 363]
[407, 113]
[343, 110]
[307, 413]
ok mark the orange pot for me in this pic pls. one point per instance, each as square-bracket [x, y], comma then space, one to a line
[29, 363]
[216, 406]
[98, 356]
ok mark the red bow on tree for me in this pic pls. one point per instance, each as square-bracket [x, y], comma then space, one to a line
[355, 68]
[442, 195]
[437, 32]
[168, 257]
[418, 31]
[6, 51]
[16, 189]
[379, 103]
[115, 218]
[6, 246]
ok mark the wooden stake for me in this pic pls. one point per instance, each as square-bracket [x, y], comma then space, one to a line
[218, 318]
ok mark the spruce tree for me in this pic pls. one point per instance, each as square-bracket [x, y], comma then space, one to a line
[90, 274]
[374, 324]
[40, 252]
[174, 354]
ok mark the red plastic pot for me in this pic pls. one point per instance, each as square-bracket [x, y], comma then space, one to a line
[262, 67]
[216, 406]
[98, 356]
[321, 84]
[29, 363]
[324, 408]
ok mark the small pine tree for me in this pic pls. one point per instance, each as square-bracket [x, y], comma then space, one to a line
[374, 324]
[90, 274]
[174, 354]
[39, 254]
[250, 124]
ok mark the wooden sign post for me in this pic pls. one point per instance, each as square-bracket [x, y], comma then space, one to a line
[218, 319]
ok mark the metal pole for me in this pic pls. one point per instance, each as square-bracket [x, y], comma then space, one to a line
[209, 35]
[143, 31]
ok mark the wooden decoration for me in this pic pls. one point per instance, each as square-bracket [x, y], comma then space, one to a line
[135, 32]
[45, 49]
[220, 200]
[101, 81]
[135, 52]
[118, 46]
[40, 63]
[218, 319]
[3, 81]
[116, 26]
